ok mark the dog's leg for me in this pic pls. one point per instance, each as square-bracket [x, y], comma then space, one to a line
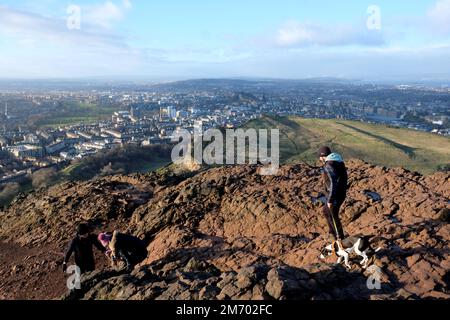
[362, 254]
[343, 255]
[346, 260]
[365, 261]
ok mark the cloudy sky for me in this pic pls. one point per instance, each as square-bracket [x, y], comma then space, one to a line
[176, 39]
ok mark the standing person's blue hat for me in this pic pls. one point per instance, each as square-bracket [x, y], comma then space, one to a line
[324, 151]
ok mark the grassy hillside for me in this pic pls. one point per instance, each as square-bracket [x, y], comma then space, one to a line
[130, 159]
[74, 113]
[377, 144]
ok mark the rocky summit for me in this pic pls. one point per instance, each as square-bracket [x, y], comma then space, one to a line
[230, 233]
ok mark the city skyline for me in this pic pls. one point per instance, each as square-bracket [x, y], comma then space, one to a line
[172, 40]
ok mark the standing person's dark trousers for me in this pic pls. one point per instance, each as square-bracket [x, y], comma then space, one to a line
[334, 223]
[132, 257]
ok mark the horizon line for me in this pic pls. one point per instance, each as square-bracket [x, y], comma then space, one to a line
[159, 80]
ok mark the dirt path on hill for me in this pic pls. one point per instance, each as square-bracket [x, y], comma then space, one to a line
[33, 273]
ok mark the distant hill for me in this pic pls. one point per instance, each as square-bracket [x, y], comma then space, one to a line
[377, 144]
[242, 85]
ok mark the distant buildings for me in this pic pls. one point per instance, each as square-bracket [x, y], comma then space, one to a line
[437, 120]
[153, 116]
[6, 110]
[172, 112]
[113, 133]
[121, 117]
[18, 177]
[55, 147]
[168, 113]
[24, 151]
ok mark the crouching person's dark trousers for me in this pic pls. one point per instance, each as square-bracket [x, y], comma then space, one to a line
[134, 257]
[334, 223]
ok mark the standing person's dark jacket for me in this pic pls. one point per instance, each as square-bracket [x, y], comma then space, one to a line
[82, 249]
[335, 175]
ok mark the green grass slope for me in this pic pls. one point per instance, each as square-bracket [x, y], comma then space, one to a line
[75, 113]
[377, 144]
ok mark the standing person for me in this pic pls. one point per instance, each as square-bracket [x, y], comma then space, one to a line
[130, 249]
[82, 245]
[335, 177]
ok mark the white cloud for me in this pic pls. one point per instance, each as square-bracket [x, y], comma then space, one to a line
[42, 46]
[296, 34]
[439, 16]
[26, 27]
[38, 45]
[127, 4]
[106, 14]
[293, 33]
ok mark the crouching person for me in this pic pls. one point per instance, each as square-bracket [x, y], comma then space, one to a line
[124, 247]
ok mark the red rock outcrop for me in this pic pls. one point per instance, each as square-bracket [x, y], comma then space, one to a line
[230, 233]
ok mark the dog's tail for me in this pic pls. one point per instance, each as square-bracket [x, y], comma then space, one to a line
[371, 252]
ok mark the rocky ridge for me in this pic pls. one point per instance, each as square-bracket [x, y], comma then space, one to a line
[230, 233]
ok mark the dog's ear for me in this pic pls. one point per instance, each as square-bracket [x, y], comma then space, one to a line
[335, 246]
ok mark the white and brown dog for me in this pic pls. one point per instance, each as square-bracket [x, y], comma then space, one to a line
[356, 244]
